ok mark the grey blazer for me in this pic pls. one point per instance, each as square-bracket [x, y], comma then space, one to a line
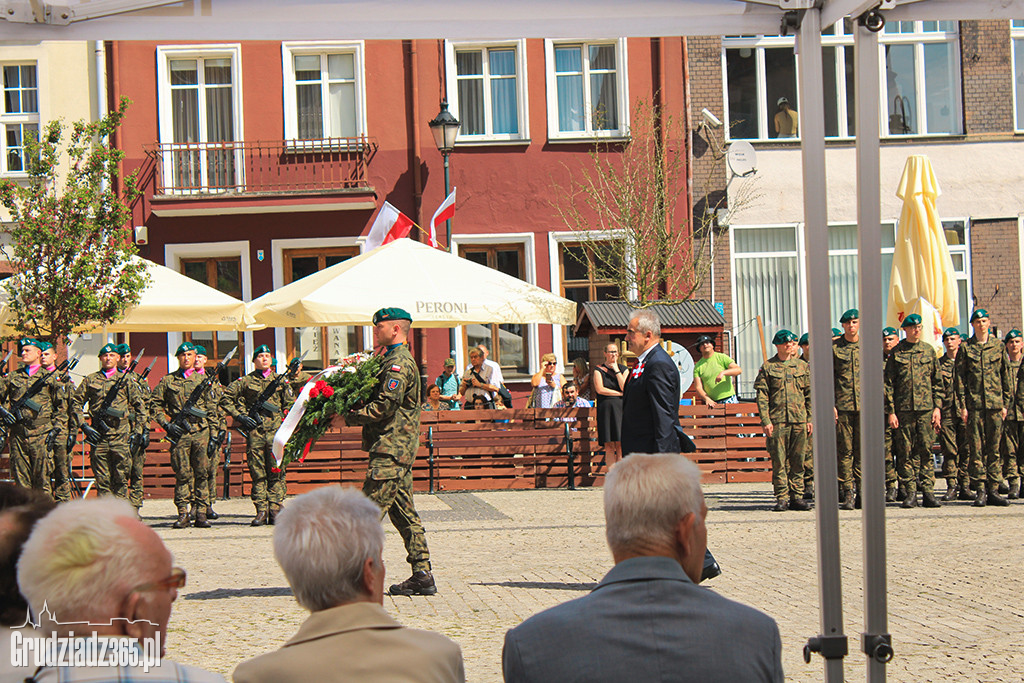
[646, 621]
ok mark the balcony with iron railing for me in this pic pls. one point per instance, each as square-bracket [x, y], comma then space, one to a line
[276, 171]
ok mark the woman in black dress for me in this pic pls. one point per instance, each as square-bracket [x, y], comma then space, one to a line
[609, 379]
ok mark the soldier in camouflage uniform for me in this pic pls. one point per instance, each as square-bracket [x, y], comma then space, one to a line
[983, 389]
[188, 456]
[913, 407]
[60, 463]
[268, 487]
[138, 441]
[300, 379]
[805, 356]
[1013, 425]
[218, 432]
[846, 382]
[391, 435]
[890, 338]
[783, 388]
[952, 433]
[110, 458]
[30, 462]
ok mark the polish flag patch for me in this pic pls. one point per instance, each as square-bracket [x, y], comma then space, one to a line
[396, 368]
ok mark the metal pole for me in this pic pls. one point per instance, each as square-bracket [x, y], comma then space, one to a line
[447, 191]
[872, 427]
[831, 642]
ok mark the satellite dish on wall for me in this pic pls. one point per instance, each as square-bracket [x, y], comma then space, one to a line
[742, 158]
[681, 357]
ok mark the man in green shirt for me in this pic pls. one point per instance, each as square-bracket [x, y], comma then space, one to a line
[713, 373]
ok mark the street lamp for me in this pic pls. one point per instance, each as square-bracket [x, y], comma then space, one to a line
[444, 128]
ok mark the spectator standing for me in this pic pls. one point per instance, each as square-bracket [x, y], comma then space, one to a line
[329, 544]
[496, 376]
[449, 384]
[581, 376]
[713, 373]
[478, 379]
[609, 379]
[547, 383]
[647, 620]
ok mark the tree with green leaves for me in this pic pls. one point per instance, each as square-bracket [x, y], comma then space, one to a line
[70, 245]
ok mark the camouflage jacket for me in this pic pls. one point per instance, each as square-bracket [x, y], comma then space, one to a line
[51, 406]
[244, 391]
[218, 419]
[846, 374]
[913, 381]
[783, 391]
[92, 392]
[299, 381]
[139, 420]
[391, 418]
[982, 379]
[173, 391]
[1014, 411]
[947, 368]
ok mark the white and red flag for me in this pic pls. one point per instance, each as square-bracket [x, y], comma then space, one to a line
[443, 213]
[390, 225]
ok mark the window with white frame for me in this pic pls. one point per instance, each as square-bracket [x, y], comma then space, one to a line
[487, 90]
[324, 90]
[20, 114]
[200, 114]
[586, 85]
[1017, 34]
[920, 84]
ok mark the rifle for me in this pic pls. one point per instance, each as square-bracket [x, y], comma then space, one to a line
[139, 441]
[96, 433]
[180, 425]
[254, 418]
[17, 415]
[3, 364]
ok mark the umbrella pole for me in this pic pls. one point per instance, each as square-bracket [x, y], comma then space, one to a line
[876, 642]
[831, 642]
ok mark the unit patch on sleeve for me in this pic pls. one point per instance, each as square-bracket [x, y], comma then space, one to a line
[392, 384]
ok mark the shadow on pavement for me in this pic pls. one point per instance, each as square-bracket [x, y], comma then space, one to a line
[548, 585]
[222, 593]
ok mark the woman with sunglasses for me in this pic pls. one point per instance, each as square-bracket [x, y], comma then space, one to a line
[609, 379]
[547, 383]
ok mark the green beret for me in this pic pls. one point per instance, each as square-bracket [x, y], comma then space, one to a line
[44, 345]
[950, 332]
[980, 313]
[391, 314]
[27, 341]
[783, 337]
[805, 340]
[262, 348]
[836, 332]
[124, 349]
[851, 314]
[200, 350]
[184, 348]
[890, 331]
[1012, 334]
[911, 320]
[296, 359]
[110, 348]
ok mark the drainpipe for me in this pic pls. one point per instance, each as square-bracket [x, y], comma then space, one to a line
[417, 188]
[100, 94]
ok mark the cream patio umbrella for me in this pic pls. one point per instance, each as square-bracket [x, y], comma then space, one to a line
[437, 288]
[923, 280]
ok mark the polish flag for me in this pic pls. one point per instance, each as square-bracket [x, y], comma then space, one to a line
[443, 213]
[390, 225]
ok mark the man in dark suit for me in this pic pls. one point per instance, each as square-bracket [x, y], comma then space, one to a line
[650, 400]
[648, 620]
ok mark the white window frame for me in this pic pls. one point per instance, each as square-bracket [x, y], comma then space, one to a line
[621, 70]
[19, 118]
[165, 53]
[289, 50]
[840, 40]
[522, 92]
[1017, 34]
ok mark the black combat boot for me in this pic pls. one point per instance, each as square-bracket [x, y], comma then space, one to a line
[201, 521]
[260, 519]
[1003, 488]
[846, 502]
[781, 505]
[901, 493]
[980, 498]
[183, 522]
[799, 503]
[272, 516]
[964, 492]
[928, 500]
[910, 500]
[1014, 490]
[809, 490]
[995, 499]
[890, 494]
[210, 514]
[951, 490]
[420, 583]
[192, 512]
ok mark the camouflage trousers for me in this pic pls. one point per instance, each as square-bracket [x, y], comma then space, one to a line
[188, 460]
[1009, 450]
[953, 439]
[808, 462]
[61, 471]
[788, 448]
[136, 489]
[913, 445]
[890, 461]
[389, 485]
[111, 465]
[984, 430]
[268, 487]
[848, 448]
[30, 463]
[214, 460]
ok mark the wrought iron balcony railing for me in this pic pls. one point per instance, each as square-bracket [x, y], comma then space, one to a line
[261, 167]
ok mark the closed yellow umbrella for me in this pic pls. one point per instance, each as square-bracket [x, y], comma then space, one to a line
[923, 280]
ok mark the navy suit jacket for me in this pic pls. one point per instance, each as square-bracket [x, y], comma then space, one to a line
[646, 621]
[650, 407]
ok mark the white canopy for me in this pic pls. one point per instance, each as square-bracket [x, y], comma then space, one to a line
[437, 288]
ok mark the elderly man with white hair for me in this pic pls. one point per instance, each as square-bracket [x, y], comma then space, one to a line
[329, 543]
[91, 567]
[648, 620]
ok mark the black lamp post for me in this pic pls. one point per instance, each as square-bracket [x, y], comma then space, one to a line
[444, 128]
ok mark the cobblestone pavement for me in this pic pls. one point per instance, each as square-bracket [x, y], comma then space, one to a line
[955, 592]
